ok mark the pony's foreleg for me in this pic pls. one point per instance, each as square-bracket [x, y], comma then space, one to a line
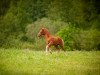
[47, 48]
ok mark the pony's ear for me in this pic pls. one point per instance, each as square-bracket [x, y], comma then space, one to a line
[42, 28]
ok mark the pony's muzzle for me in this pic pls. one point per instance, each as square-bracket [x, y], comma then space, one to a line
[38, 35]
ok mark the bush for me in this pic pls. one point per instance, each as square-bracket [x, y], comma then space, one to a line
[88, 39]
[66, 34]
[78, 39]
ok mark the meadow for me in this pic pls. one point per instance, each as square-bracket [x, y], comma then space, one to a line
[31, 62]
[77, 22]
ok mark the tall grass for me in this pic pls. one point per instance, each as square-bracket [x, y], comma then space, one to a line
[29, 62]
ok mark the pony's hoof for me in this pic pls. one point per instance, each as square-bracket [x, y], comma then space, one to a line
[46, 54]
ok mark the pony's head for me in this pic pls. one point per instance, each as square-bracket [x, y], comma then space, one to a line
[41, 32]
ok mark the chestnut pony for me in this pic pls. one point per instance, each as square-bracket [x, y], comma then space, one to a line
[51, 40]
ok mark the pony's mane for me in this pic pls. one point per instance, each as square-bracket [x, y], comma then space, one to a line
[45, 29]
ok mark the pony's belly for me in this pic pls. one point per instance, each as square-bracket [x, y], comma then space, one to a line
[55, 41]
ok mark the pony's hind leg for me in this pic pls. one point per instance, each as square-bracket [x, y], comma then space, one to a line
[57, 48]
[63, 49]
[61, 44]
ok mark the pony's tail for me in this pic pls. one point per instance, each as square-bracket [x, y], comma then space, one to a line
[62, 42]
[62, 45]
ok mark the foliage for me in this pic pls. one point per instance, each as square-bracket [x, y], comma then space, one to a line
[79, 12]
[67, 34]
[79, 39]
[21, 20]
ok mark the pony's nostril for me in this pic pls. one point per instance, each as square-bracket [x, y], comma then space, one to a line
[38, 35]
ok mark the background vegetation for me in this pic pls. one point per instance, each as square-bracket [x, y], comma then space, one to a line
[76, 21]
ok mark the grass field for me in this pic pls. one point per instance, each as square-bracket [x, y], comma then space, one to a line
[29, 62]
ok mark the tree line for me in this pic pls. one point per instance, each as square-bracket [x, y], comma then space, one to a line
[76, 21]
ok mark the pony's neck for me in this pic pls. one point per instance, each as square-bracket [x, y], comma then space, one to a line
[47, 35]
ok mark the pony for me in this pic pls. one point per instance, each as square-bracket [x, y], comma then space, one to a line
[55, 41]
